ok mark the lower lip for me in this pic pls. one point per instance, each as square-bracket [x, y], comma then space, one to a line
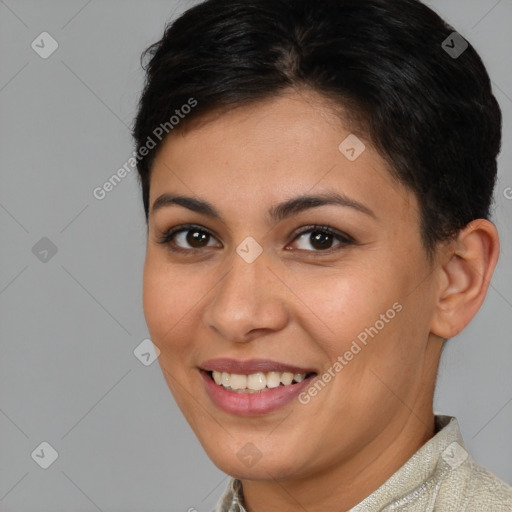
[251, 404]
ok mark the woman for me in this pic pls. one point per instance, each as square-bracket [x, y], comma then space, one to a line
[317, 178]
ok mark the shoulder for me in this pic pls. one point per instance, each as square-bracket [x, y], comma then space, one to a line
[473, 488]
[487, 489]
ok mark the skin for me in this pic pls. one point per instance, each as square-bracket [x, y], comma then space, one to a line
[297, 304]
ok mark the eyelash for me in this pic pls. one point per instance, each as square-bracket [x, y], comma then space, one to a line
[345, 240]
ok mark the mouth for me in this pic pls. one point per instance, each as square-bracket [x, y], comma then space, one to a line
[259, 382]
[254, 394]
[254, 386]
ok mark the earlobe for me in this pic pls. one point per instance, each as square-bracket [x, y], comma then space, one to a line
[466, 272]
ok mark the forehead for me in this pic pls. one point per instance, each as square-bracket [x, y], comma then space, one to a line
[286, 146]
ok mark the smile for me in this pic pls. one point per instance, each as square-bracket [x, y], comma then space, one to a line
[276, 390]
[256, 382]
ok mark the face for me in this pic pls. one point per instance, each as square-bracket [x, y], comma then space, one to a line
[340, 290]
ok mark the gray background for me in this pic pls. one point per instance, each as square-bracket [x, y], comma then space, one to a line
[69, 326]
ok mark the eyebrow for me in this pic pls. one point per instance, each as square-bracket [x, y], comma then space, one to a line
[276, 213]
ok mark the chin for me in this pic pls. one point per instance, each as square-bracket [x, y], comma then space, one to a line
[249, 464]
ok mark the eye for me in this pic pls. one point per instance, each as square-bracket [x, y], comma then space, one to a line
[321, 238]
[192, 235]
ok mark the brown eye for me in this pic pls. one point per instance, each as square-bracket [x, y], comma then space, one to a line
[321, 238]
[196, 238]
[186, 239]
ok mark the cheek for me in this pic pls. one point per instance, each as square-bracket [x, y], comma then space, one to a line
[345, 303]
[165, 298]
[374, 321]
[173, 298]
[156, 302]
[165, 310]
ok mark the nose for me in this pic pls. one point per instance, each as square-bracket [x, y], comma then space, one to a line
[249, 301]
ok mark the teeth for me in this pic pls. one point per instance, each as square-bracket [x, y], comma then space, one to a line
[273, 379]
[286, 378]
[225, 379]
[255, 381]
[238, 381]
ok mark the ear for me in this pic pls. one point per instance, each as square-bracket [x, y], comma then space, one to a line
[465, 274]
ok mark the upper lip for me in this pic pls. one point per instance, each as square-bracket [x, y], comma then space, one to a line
[251, 366]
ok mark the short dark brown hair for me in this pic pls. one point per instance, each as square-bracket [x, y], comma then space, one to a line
[431, 115]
